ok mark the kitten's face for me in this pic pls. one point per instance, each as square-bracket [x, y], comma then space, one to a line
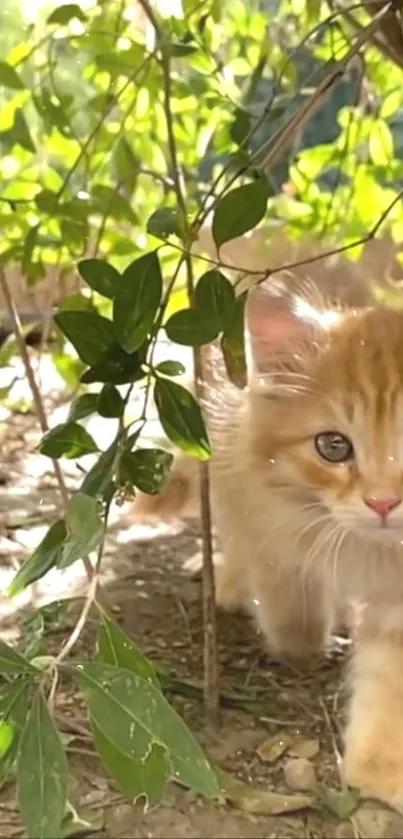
[338, 438]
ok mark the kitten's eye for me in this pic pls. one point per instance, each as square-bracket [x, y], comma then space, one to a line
[334, 447]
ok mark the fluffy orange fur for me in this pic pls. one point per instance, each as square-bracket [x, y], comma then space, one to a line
[300, 539]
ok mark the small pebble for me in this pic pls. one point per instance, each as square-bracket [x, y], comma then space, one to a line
[376, 822]
[344, 830]
[299, 774]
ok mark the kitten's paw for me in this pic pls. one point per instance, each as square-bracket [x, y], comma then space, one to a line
[230, 594]
[194, 564]
[302, 644]
[376, 769]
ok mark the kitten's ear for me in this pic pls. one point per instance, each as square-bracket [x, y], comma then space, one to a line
[278, 326]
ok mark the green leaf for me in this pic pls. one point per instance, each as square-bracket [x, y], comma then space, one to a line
[10, 347]
[216, 11]
[381, 143]
[47, 201]
[14, 706]
[9, 77]
[134, 778]
[91, 334]
[181, 49]
[64, 14]
[44, 557]
[132, 713]
[32, 632]
[51, 111]
[181, 418]
[29, 247]
[233, 344]
[110, 402]
[215, 299]
[137, 301]
[164, 223]
[20, 132]
[391, 103]
[146, 469]
[240, 127]
[98, 479]
[108, 198]
[67, 440]
[10, 707]
[76, 302]
[117, 367]
[100, 276]
[341, 803]
[122, 62]
[7, 733]
[116, 648]
[84, 528]
[42, 773]
[127, 164]
[83, 406]
[75, 209]
[13, 662]
[74, 234]
[190, 328]
[170, 368]
[69, 368]
[239, 210]
[4, 391]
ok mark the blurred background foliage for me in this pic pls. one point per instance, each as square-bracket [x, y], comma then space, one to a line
[97, 104]
[84, 156]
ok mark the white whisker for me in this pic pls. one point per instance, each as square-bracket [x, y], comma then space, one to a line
[336, 554]
[323, 518]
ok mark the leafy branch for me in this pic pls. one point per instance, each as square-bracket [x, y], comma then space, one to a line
[163, 141]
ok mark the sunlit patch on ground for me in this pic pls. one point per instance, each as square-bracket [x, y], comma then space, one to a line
[151, 577]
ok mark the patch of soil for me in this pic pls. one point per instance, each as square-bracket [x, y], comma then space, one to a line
[159, 604]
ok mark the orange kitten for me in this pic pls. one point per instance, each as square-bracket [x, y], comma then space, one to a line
[307, 487]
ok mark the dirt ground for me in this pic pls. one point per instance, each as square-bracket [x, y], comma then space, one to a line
[271, 715]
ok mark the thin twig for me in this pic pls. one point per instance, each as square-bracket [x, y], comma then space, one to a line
[387, 49]
[336, 750]
[333, 251]
[210, 651]
[98, 125]
[210, 654]
[91, 597]
[82, 620]
[269, 153]
[205, 208]
[36, 395]
[39, 408]
[211, 692]
[272, 149]
[263, 273]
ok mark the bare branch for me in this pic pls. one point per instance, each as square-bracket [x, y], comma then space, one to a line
[211, 692]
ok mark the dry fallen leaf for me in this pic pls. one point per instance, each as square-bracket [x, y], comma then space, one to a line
[273, 748]
[78, 823]
[300, 747]
[260, 801]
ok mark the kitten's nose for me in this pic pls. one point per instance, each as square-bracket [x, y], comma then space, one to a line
[381, 504]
